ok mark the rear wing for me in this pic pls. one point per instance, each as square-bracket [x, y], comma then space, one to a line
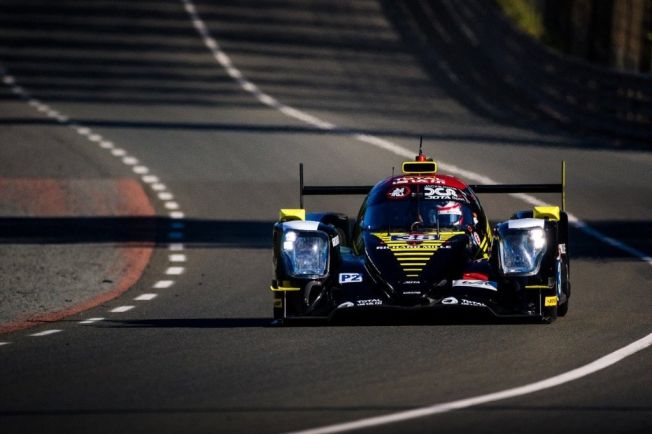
[321, 190]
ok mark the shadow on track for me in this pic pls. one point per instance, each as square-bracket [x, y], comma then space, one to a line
[342, 319]
[253, 234]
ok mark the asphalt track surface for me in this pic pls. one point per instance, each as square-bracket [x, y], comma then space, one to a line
[201, 356]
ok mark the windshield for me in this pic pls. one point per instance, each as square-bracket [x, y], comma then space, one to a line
[412, 214]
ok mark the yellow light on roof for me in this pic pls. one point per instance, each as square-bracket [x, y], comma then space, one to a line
[419, 167]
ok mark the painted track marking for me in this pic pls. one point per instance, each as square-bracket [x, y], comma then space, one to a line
[46, 333]
[161, 191]
[225, 62]
[91, 320]
[121, 309]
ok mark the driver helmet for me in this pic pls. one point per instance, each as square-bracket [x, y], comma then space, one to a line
[449, 214]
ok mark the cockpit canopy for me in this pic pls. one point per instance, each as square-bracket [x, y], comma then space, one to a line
[419, 203]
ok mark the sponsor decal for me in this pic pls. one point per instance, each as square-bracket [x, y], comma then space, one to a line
[412, 282]
[465, 302]
[418, 180]
[414, 237]
[482, 284]
[443, 193]
[450, 300]
[350, 278]
[411, 292]
[551, 301]
[476, 238]
[398, 192]
[562, 249]
[345, 305]
[382, 247]
[414, 246]
[336, 240]
[369, 302]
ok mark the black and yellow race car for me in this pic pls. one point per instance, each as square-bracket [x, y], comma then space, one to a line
[421, 241]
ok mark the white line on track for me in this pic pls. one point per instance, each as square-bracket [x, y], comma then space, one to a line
[140, 170]
[176, 247]
[575, 374]
[158, 187]
[129, 160]
[149, 179]
[146, 297]
[225, 62]
[162, 284]
[91, 320]
[177, 257]
[121, 309]
[46, 333]
[174, 271]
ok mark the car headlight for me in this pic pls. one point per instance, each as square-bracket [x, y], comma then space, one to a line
[306, 253]
[521, 246]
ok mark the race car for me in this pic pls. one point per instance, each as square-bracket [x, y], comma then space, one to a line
[421, 241]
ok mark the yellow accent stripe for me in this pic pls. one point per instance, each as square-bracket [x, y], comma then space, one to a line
[411, 275]
[413, 269]
[284, 288]
[412, 258]
[537, 287]
[414, 253]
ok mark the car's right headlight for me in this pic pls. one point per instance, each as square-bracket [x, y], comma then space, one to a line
[306, 253]
[521, 246]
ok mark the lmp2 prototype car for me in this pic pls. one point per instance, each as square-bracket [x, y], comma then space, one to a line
[421, 241]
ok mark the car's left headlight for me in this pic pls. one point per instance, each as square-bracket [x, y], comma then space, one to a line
[521, 246]
[306, 253]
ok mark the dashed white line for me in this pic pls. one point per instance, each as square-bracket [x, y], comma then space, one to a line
[163, 284]
[46, 333]
[176, 247]
[140, 170]
[130, 161]
[224, 60]
[150, 179]
[177, 257]
[173, 271]
[91, 320]
[158, 187]
[121, 309]
[146, 297]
